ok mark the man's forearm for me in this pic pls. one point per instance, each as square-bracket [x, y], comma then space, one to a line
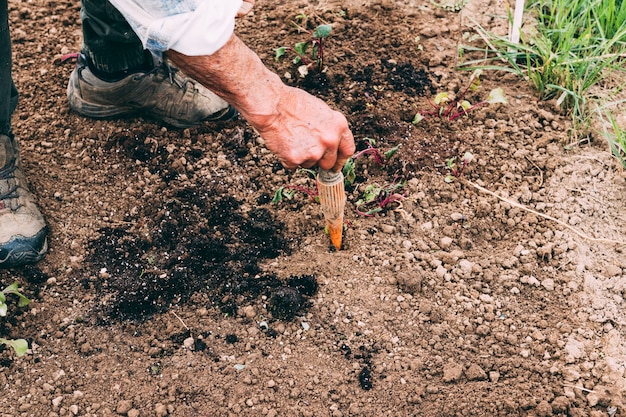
[236, 74]
[299, 128]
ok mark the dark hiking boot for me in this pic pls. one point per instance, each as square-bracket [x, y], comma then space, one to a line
[161, 93]
[23, 231]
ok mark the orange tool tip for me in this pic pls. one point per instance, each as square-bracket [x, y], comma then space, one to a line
[335, 230]
[333, 200]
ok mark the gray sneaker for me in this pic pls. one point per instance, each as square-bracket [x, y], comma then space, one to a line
[23, 231]
[161, 93]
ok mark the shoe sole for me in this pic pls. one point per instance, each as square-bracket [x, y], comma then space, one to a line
[22, 251]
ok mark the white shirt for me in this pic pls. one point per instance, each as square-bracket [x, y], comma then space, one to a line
[191, 27]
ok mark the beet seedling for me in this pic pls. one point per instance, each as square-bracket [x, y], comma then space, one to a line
[19, 345]
[456, 169]
[377, 197]
[380, 158]
[309, 53]
[288, 191]
[447, 107]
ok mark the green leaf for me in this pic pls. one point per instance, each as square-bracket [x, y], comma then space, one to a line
[371, 193]
[418, 118]
[301, 48]
[497, 96]
[279, 52]
[19, 345]
[278, 195]
[465, 105]
[391, 152]
[442, 98]
[3, 309]
[348, 172]
[475, 80]
[14, 289]
[448, 178]
[322, 31]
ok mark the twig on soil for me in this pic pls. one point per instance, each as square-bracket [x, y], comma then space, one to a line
[181, 320]
[545, 216]
[577, 387]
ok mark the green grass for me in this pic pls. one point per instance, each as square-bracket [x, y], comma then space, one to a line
[567, 51]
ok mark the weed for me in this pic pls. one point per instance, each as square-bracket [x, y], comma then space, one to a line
[615, 136]
[566, 48]
[309, 53]
[447, 107]
[19, 345]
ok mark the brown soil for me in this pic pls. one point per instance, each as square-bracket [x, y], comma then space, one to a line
[174, 286]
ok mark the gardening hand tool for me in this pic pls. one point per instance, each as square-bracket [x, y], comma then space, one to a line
[333, 200]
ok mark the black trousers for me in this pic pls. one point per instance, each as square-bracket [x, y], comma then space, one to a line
[108, 41]
[8, 93]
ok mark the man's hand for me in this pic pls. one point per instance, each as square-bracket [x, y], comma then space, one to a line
[299, 128]
[304, 131]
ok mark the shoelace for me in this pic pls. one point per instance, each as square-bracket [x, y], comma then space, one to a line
[168, 72]
[6, 172]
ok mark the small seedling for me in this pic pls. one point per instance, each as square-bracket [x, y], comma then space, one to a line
[456, 169]
[19, 345]
[380, 158]
[288, 191]
[378, 197]
[448, 108]
[309, 53]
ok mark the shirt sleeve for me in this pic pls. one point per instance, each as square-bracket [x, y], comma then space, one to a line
[191, 27]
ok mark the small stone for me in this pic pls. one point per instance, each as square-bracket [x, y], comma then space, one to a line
[548, 284]
[123, 407]
[74, 409]
[249, 312]
[560, 404]
[160, 410]
[613, 270]
[56, 402]
[188, 343]
[387, 228]
[445, 242]
[494, 376]
[452, 372]
[543, 409]
[133, 412]
[475, 373]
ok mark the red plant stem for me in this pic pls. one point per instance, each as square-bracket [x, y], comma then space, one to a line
[303, 58]
[370, 150]
[310, 193]
[466, 111]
